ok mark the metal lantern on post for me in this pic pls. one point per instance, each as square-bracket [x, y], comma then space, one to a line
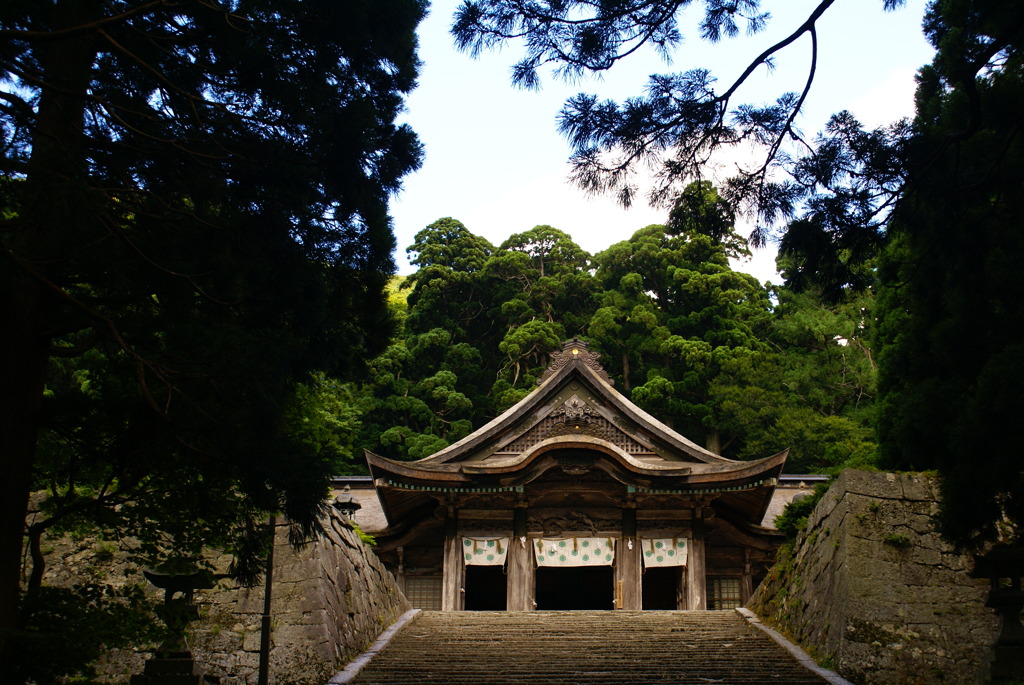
[347, 505]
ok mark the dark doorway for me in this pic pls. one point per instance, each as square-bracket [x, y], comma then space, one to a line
[579, 588]
[661, 588]
[485, 588]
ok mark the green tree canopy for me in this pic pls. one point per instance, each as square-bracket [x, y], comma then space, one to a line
[479, 326]
[543, 292]
[949, 311]
[813, 393]
[414, 404]
[196, 192]
[677, 315]
[446, 288]
[748, 370]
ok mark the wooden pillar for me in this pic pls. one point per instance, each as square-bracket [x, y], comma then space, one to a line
[747, 581]
[452, 595]
[681, 601]
[400, 571]
[628, 570]
[522, 580]
[696, 580]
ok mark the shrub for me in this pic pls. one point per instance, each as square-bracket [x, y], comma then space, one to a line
[793, 518]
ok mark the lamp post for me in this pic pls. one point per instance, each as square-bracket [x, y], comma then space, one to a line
[263, 670]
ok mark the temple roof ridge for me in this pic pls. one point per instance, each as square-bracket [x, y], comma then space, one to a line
[574, 359]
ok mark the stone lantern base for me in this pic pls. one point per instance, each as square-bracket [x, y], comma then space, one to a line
[172, 671]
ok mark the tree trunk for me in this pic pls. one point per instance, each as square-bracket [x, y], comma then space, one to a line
[35, 552]
[53, 190]
[23, 360]
[714, 441]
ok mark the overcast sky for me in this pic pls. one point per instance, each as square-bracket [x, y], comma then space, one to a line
[495, 161]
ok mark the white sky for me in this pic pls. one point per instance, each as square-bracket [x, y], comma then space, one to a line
[495, 161]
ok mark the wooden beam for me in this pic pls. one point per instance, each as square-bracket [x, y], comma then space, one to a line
[486, 514]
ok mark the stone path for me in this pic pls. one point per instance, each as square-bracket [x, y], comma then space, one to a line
[583, 647]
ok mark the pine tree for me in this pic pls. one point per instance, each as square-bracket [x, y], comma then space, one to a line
[197, 192]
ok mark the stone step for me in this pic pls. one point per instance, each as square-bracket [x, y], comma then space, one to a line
[591, 647]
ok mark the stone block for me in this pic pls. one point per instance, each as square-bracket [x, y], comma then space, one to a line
[248, 662]
[930, 550]
[876, 485]
[222, 662]
[915, 574]
[251, 641]
[331, 599]
[295, 572]
[316, 617]
[919, 488]
[249, 600]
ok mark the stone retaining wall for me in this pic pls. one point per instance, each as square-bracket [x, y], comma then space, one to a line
[872, 591]
[331, 599]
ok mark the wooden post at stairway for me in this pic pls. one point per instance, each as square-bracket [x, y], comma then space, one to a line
[521, 577]
[747, 582]
[696, 581]
[451, 590]
[628, 572]
[400, 576]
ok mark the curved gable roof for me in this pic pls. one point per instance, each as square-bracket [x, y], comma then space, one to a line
[574, 363]
[575, 407]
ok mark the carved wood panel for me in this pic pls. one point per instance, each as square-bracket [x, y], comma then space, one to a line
[555, 425]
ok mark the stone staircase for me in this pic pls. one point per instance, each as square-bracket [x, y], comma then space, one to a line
[583, 647]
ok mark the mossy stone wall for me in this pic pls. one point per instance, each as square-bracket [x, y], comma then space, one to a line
[330, 601]
[872, 590]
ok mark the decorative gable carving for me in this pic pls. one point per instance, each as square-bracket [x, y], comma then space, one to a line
[574, 350]
[571, 418]
[576, 412]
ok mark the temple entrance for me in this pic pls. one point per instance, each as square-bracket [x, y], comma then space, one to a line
[661, 588]
[575, 588]
[486, 588]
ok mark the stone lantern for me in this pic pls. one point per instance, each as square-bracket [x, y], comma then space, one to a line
[347, 505]
[1004, 567]
[173, 663]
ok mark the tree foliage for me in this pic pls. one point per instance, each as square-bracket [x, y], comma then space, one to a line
[938, 195]
[950, 314]
[445, 290]
[682, 119]
[815, 392]
[479, 324]
[194, 220]
[70, 627]
[693, 317]
[412, 408]
[726, 361]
